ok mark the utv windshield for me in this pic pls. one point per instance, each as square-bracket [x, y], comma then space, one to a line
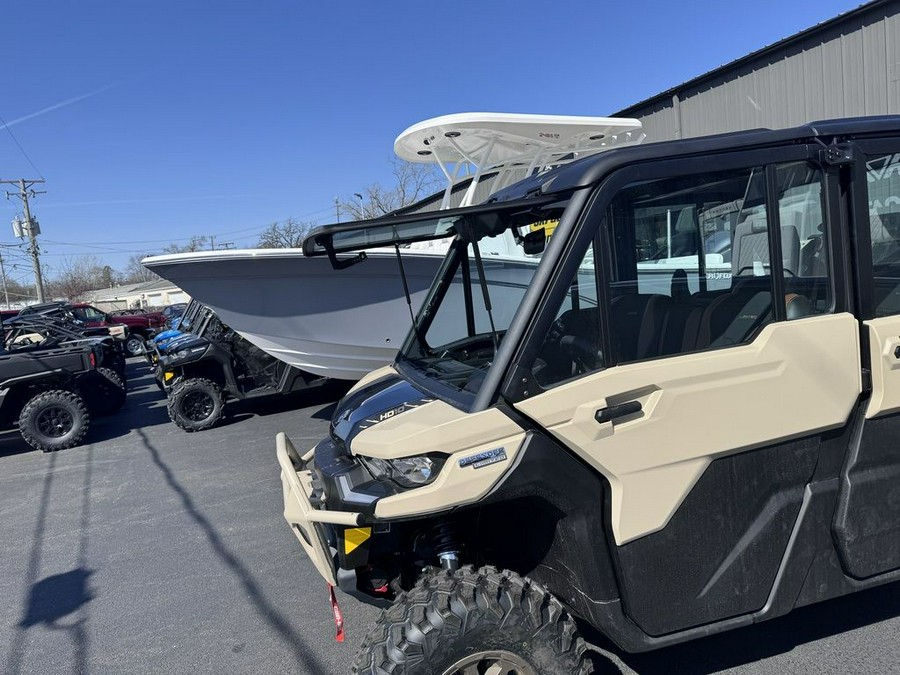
[474, 299]
[188, 320]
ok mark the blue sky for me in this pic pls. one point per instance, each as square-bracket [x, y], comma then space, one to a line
[155, 121]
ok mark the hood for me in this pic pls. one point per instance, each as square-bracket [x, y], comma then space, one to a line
[167, 335]
[172, 354]
[383, 399]
[180, 342]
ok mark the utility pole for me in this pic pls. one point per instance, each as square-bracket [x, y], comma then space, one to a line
[3, 274]
[25, 190]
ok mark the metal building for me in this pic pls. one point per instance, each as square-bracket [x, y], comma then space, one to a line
[848, 66]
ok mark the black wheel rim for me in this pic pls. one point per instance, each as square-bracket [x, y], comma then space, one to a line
[54, 422]
[197, 406]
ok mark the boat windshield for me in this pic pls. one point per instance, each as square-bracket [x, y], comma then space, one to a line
[471, 305]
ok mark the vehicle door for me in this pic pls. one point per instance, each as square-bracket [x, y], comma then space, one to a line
[93, 318]
[867, 520]
[722, 358]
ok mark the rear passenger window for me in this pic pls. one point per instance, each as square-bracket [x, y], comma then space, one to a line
[692, 266]
[804, 240]
[689, 266]
[883, 181]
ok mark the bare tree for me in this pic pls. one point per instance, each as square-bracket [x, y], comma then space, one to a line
[413, 182]
[136, 273]
[77, 276]
[287, 234]
[196, 243]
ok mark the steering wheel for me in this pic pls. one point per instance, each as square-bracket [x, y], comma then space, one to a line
[570, 352]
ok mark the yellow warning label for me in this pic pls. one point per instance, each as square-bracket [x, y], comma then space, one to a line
[354, 537]
[168, 375]
[546, 225]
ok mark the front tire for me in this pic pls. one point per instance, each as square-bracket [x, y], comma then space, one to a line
[54, 420]
[474, 621]
[196, 404]
[134, 345]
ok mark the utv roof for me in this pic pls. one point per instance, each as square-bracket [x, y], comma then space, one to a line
[388, 231]
[44, 307]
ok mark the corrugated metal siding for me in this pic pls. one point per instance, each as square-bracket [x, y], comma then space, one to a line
[849, 68]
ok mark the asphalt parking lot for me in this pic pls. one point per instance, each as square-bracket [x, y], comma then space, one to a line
[155, 551]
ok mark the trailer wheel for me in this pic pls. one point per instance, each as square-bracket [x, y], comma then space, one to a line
[134, 345]
[196, 404]
[54, 420]
[472, 621]
[104, 391]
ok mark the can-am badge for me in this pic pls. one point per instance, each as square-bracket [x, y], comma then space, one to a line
[483, 458]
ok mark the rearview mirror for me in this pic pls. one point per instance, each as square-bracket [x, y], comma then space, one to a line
[533, 243]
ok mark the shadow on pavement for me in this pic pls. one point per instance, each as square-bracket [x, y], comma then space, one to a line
[304, 655]
[53, 598]
[57, 596]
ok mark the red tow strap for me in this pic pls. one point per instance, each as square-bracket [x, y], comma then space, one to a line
[338, 615]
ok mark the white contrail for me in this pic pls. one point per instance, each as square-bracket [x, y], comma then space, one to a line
[61, 104]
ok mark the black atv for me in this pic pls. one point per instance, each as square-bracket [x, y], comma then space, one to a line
[103, 388]
[48, 393]
[214, 364]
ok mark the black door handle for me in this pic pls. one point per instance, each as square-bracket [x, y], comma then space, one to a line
[612, 412]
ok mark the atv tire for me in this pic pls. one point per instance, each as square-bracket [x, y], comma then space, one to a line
[196, 404]
[118, 364]
[134, 345]
[104, 392]
[54, 420]
[474, 621]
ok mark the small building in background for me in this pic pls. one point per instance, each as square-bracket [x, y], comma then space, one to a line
[148, 294]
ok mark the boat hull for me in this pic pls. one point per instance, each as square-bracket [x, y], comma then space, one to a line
[332, 323]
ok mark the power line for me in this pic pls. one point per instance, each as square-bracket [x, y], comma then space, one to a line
[21, 149]
[256, 229]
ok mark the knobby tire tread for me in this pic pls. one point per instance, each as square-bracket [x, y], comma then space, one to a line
[447, 607]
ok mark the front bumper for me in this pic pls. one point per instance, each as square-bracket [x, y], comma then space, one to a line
[307, 520]
[151, 353]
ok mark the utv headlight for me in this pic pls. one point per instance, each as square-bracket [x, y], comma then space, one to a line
[409, 472]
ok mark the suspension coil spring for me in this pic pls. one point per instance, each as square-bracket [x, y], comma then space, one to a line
[445, 543]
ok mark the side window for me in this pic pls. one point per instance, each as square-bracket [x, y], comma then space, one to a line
[804, 240]
[691, 267]
[572, 346]
[883, 182]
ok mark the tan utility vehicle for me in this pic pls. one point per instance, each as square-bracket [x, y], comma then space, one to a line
[680, 416]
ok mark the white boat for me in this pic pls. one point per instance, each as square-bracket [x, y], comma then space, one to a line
[345, 323]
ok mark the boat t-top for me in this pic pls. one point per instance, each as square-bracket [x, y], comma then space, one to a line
[343, 323]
